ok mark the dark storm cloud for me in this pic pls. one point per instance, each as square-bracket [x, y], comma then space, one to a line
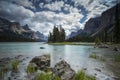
[14, 12]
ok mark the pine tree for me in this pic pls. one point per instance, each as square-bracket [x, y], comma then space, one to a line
[54, 34]
[58, 35]
[62, 35]
[117, 26]
[97, 41]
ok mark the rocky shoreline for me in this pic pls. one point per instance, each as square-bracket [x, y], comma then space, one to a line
[61, 69]
[36, 65]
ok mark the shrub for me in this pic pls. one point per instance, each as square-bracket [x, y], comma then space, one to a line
[3, 71]
[82, 76]
[93, 56]
[97, 41]
[43, 76]
[117, 58]
[56, 78]
[31, 68]
[79, 76]
[46, 76]
[15, 64]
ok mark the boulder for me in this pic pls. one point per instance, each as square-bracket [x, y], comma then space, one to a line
[97, 69]
[42, 48]
[63, 70]
[116, 48]
[42, 62]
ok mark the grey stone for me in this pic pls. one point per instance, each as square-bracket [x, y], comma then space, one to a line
[63, 70]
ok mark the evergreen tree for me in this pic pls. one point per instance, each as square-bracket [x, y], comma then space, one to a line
[54, 34]
[62, 35]
[117, 26]
[97, 41]
[105, 36]
[58, 35]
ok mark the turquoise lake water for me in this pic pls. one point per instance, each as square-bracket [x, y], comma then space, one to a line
[76, 55]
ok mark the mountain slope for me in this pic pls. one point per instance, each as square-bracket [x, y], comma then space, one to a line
[107, 21]
[91, 26]
[13, 31]
[100, 26]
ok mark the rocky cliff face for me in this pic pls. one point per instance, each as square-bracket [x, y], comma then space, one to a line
[16, 30]
[107, 21]
[91, 26]
[99, 25]
[75, 33]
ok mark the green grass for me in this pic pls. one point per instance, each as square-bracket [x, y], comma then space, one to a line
[82, 76]
[95, 56]
[15, 64]
[117, 57]
[49, 76]
[31, 69]
[56, 78]
[3, 71]
[43, 76]
[102, 58]
[46, 76]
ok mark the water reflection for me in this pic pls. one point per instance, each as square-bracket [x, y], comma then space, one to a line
[76, 56]
[57, 54]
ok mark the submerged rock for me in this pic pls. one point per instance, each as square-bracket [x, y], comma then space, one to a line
[97, 69]
[63, 70]
[42, 62]
[116, 48]
[42, 48]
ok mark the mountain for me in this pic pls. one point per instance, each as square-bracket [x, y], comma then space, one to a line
[75, 33]
[100, 26]
[26, 27]
[91, 26]
[108, 21]
[41, 36]
[13, 31]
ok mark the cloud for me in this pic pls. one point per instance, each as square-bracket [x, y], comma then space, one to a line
[41, 5]
[14, 12]
[26, 12]
[95, 7]
[57, 5]
[45, 20]
[25, 3]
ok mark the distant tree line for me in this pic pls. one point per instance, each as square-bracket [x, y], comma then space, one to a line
[81, 39]
[57, 35]
[14, 38]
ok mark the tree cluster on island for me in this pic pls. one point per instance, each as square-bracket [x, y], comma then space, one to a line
[57, 35]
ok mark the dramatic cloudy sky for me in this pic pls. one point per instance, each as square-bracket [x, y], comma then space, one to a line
[42, 15]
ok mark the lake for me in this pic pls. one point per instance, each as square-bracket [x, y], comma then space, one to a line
[76, 55]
